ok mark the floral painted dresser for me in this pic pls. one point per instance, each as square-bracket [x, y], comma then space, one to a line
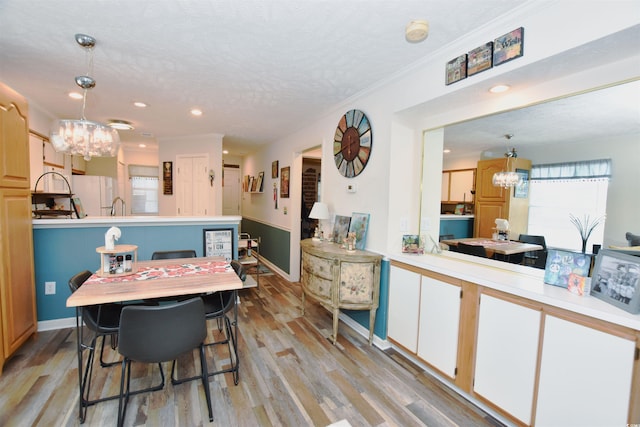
[338, 278]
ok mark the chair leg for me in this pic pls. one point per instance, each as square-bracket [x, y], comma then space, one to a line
[122, 400]
[113, 346]
[231, 341]
[205, 381]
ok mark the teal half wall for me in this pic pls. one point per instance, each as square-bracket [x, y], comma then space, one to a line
[59, 253]
[275, 243]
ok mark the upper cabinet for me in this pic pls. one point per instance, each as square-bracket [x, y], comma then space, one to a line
[78, 164]
[14, 150]
[496, 202]
[457, 185]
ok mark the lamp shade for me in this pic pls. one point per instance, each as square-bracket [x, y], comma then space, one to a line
[319, 211]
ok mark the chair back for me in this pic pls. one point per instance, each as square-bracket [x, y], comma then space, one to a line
[109, 313]
[475, 250]
[180, 253]
[535, 240]
[78, 279]
[239, 269]
[155, 334]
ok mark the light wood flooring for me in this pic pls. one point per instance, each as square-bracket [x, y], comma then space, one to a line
[290, 375]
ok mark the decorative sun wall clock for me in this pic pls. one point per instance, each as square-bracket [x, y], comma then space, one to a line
[352, 143]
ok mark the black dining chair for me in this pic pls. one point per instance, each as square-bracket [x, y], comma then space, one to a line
[156, 334]
[537, 259]
[475, 250]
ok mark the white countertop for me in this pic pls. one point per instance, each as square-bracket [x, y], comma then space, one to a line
[525, 282]
[137, 221]
[452, 216]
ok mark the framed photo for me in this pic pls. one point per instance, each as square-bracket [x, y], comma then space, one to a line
[360, 224]
[167, 178]
[411, 244]
[77, 207]
[284, 182]
[260, 182]
[274, 169]
[616, 278]
[480, 59]
[521, 190]
[219, 242]
[565, 265]
[457, 69]
[508, 46]
[459, 210]
[341, 228]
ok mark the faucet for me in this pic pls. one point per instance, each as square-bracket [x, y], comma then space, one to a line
[113, 206]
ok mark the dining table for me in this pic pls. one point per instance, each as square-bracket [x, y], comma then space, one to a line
[506, 248]
[152, 279]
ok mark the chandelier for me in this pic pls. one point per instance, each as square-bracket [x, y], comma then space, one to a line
[508, 178]
[84, 137]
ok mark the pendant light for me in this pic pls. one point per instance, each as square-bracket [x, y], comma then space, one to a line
[84, 137]
[508, 178]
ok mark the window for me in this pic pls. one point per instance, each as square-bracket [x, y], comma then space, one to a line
[144, 189]
[561, 190]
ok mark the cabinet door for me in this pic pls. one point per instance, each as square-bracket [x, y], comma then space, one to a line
[17, 290]
[439, 324]
[485, 191]
[584, 380]
[404, 306]
[445, 186]
[14, 140]
[485, 218]
[52, 157]
[461, 185]
[506, 355]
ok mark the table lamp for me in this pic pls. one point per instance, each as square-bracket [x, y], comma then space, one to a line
[318, 211]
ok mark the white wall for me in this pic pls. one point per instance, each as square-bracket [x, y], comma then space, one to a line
[386, 188]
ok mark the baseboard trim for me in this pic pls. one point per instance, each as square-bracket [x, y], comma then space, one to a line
[50, 325]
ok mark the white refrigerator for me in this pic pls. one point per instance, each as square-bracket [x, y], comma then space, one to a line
[96, 193]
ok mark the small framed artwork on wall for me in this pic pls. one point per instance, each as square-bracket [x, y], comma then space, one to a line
[284, 182]
[274, 169]
[457, 69]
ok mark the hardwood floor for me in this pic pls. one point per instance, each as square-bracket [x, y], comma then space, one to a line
[290, 375]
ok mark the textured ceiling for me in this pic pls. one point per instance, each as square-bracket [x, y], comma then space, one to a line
[259, 70]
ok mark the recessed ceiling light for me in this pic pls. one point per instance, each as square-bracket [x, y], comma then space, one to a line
[120, 124]
[75, 95]
[196, 111]
[446, 150]
[140, 104]
[225, 151]
[142, 145]
[499, 88]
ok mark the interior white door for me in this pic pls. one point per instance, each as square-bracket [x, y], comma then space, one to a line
[231, 192]
[192, 185]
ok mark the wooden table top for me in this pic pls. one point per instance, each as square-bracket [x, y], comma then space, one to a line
[159, 278]
[504, 247]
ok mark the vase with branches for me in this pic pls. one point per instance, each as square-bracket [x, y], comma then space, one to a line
[585, 226]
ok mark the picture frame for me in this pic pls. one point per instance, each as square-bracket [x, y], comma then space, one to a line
[480, 59]
[521, 190]
[616, 279]
[360, 225]
[456, 69]
[563, 266]
[77, 207]
[218, 242]
[411, 244]
[167, 178]
[284, 182]
[508, 46]
[341, 228]
[274, 169]
[459, 209]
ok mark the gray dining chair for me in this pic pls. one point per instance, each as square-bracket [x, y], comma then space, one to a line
[156, 334]
[537, 259]
[475, 250]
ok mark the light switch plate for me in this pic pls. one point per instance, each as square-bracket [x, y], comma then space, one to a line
[49, 288]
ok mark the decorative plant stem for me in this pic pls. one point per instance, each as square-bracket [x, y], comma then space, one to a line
[585, 227]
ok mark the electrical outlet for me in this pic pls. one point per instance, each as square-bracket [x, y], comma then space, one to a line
[49, 288]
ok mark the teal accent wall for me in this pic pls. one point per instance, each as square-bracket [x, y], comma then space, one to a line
[459, 228]
[59, 253]
[275, 245]
[362, 316]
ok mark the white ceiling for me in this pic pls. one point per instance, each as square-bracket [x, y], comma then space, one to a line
[259, 69]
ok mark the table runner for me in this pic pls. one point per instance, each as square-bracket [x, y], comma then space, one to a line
[168, 271]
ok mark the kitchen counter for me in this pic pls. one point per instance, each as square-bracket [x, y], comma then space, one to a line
[453, 216]
[517, 280]
[108, 221]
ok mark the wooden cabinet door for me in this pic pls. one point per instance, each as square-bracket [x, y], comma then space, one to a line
[584, 380]
[485, 218]
[506, 355]
[14, 140]
[404, 307]
[439, 324]
[485, 191]
[17, 289]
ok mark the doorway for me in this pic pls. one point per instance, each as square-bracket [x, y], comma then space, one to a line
[311, 193]
[231, 190]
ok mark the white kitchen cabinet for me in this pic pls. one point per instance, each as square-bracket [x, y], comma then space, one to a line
[506, 355]
[457, 185]
[51, 156]
[585, 380]
[439, 324]
[404, 307]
